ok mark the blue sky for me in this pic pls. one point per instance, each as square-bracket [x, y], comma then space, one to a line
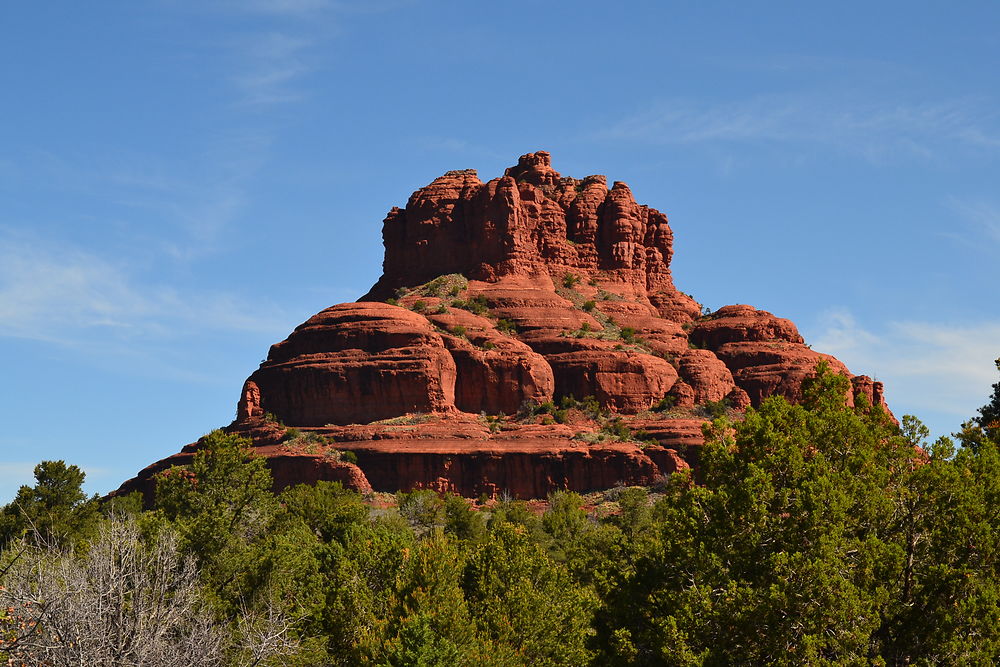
[184, 182]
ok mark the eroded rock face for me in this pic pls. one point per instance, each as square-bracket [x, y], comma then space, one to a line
[288, 465]
[530, 221]
[768, 357]
[502, 295]
[355, 363]
[623, 381]
[740, 324]
[708, 376]
[454, 453]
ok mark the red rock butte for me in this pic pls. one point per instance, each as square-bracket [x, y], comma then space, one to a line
[501, 306]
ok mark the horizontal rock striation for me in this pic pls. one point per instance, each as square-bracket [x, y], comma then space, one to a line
[354, 363]
[502, 306]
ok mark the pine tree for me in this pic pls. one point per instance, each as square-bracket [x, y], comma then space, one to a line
[989, 414]
[54, 511]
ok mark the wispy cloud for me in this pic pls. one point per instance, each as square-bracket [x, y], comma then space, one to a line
[205, 206]
[984, 215]
[267, 46]
[875, 130]
[184, 208]
[925, 366]
[66, 295]
[271, 64]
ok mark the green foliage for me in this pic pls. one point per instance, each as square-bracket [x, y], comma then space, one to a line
[405, 420]
[665, 404]
[603, 295]
[423, 509]
[55, 511]
[813, 534]
[816, 537]
[590, 437]
[948, 604]
[528, 409]
[570, 280]
[255, 555]
[430, 623]
[506, 326]
[327, 509]
[361, 574]
[461, 520]
[616, 429]
[636, 512]
[458, 330]
[643, 436]
[715, 409]
[477, 305]
[419, 305]
[531, 408]
[526, 601]
[591, 407]
[989, 414]
[223, 509]
[451, 284]
[518, 513]
[123, 506]
[628, 335]
[565, 523]
[589, 305]
[310, 442]
[493, 422]
[913, 431]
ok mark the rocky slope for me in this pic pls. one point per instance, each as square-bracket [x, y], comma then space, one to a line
[501, 306]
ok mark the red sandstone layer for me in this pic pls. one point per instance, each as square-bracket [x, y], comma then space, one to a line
[498, 296]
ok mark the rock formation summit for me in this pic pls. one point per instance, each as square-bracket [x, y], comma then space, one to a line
[525, 336]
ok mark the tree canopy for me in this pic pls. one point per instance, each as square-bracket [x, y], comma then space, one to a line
[815, 534]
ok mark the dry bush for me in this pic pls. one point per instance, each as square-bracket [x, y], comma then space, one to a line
[125, 602]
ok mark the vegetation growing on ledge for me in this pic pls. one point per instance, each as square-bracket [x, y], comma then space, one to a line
[448, 285]
[476, 305]
[506, 326]
[405, 420]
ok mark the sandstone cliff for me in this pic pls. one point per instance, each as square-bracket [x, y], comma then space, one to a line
[501, 305]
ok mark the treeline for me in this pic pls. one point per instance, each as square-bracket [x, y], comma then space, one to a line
[812, 534]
